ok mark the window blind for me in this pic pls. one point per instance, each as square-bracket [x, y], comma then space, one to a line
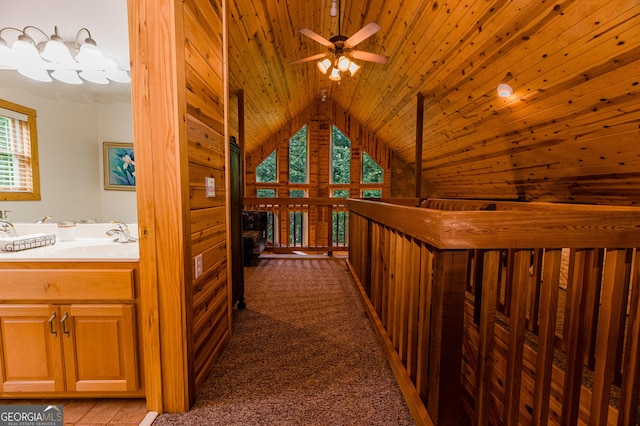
[15, 152]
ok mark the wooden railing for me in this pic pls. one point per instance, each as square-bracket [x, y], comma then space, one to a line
[518, 313]
[304, 224]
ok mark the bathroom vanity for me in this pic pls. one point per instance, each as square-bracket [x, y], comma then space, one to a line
[68, 320]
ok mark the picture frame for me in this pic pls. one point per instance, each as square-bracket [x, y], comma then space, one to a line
[119, 166]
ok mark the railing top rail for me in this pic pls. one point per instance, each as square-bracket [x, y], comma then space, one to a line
[437, 203]
[555, 227]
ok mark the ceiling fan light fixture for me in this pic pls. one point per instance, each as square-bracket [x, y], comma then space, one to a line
[343, 63]
[353, 68]
[324, 65]
[335, 75]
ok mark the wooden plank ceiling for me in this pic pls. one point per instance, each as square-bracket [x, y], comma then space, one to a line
[569, 133]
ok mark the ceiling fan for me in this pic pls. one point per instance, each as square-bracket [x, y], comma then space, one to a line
[342, 49]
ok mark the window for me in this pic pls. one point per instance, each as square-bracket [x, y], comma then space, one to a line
[265, 193]
[371, 171]
[267, 170]
[298, 157]
[340, 193]
[372, 193]
[340, 157]
[19, 172]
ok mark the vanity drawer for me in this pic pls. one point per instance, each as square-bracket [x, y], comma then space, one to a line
[67, 284]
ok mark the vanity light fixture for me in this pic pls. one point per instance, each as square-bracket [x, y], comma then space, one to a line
[69, 62]
[504, 90]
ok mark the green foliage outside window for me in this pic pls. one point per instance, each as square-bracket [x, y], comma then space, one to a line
[340, 193]
[265, 193]
[266, 171]
[372, 193]
[340, 157]
[298, 157]
[371, 171]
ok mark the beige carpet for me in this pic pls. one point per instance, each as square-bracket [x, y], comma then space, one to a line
[303, 353]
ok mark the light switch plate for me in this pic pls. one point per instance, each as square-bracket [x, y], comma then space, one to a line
[210, 185]
[198, 265]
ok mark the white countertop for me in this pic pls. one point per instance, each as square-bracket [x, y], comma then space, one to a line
[90, 245]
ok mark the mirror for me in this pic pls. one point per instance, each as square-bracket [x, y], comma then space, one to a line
[73, 121]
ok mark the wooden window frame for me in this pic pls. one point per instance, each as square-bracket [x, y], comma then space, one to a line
[34, 194]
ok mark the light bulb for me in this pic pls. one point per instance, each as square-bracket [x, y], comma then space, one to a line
[94, 76]
[353, 68]
[504, 90]
[56, 51]
[335, 75]
[334, 9]
[38, 74]
[66, 76]
[343, 63]
[324, 65]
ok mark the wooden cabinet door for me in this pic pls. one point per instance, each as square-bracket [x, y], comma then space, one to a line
[100, 348]
[30, 352]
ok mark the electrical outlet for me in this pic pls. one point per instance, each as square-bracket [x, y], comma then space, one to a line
[210, 187]
[198, 265]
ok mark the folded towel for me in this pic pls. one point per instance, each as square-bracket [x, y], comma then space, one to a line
[26, 242]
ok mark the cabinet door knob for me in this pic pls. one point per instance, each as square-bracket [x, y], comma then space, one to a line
[50, 321]
[64, 325]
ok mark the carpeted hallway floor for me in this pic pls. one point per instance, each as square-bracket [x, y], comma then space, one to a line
[302, 353]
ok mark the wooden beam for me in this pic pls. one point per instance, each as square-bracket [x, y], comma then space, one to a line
[241, 137]
[419, 132]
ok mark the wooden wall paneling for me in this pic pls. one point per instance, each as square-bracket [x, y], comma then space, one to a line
[613, 304]
[490, 269]
[546, 335]
[630, 387]
[517, 327]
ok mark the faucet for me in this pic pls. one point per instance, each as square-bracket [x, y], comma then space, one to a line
[43, 220]
[7, 228]
[124, 236]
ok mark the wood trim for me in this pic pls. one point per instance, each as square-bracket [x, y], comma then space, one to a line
[159, 105]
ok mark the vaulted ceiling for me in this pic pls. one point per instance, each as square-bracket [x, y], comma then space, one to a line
[569, 132]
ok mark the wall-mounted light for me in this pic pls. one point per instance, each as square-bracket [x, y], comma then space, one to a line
[69, 62]
[504, 90]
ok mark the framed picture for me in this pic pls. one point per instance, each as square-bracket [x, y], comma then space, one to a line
[119, 166]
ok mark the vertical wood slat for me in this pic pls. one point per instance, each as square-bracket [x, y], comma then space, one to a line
[546, 335]
[487, 316]
[573, 337]
[424, 320]
[614, 292]
[630, 388]
[446, 336]
[517, 326]
[402, 299]
[413, 307]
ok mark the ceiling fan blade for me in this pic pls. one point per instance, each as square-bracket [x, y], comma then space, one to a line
[310, 58]
[317, 37]
[370, 57]
[365, 32]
